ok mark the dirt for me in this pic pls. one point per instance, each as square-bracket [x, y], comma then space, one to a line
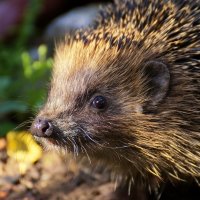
[53, 177]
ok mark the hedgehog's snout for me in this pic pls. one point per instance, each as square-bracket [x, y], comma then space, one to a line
[42, 127]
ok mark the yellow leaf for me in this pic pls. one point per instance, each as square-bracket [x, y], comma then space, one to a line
[22, 147]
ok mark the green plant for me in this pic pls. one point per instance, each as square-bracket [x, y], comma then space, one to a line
[21, 95]
[22, 79]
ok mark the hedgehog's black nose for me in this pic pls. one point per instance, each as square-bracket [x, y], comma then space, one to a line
[42, 128]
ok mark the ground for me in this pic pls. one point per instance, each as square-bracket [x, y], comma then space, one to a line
[53, 177]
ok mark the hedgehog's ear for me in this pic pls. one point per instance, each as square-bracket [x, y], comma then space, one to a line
[158, 78]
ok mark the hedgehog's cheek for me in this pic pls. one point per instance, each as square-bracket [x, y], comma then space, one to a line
[157, 78]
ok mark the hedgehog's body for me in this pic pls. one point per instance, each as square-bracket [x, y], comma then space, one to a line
[143, 58]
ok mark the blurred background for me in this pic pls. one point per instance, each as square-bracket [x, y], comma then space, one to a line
[28, 31]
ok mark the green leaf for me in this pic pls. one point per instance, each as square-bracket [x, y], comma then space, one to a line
[5, 127]
[10, 106]
[26, 62]
[42, 51]
[4, 83]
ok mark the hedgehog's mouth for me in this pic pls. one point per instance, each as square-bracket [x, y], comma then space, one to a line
[54, 143]
[46, 141]
[51, 141]
[63, 140]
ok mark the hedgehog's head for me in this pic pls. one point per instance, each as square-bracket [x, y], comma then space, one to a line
[103, 102]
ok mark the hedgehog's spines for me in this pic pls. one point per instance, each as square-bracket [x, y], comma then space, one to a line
[141, 31]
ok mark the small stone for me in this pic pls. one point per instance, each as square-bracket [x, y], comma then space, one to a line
[2, 144]
[7, 180]
[28, 184]
[78, 18]
[3, 194]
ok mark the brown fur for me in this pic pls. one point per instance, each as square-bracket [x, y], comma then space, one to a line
[109, 60]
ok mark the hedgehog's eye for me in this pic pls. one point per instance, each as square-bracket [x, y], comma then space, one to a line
[99, 102]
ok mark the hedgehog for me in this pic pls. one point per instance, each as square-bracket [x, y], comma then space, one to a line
[126, 92]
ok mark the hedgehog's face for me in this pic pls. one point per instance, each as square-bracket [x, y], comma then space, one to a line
[95, 99]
